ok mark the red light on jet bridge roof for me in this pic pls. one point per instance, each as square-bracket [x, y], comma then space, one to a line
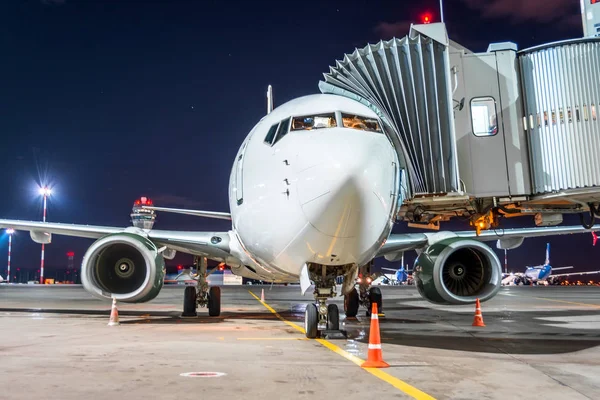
[71, 254]
[426, 18]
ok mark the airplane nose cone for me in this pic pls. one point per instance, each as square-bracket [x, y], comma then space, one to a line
[347, 190]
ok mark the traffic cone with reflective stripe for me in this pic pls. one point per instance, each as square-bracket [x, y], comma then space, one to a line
[478, 321]
[262, 295]
[374, 357]
[114, 314]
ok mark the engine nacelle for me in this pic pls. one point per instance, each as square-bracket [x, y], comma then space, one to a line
[125, 266]
[458, 271]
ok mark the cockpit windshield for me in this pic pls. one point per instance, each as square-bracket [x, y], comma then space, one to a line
[310, 122]
[362, 123]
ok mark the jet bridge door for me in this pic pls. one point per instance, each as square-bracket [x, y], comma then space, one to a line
[481, 144]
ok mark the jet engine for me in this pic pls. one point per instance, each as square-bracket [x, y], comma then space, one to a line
[126, 266]
[457, 271]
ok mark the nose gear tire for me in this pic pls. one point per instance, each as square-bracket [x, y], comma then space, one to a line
[333, 317]
[311, 321]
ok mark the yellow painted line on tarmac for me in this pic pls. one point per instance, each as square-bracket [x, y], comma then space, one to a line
[270, 338]
[378, 373]
[268, 307]
[567, 302]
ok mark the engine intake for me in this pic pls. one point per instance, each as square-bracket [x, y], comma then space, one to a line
[458, 271]
[126, 266]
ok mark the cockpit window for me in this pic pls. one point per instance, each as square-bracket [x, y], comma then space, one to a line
[271, 134]
[310, 122]
[362, 123]
[283, 129]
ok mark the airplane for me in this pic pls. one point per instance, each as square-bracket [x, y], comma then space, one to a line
[401, 274]
[313, 194]
[541, 273]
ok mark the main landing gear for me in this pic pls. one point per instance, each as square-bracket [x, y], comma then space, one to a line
[201, 295]
[364, 294]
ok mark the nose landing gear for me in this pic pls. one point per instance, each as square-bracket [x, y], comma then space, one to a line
[320, 317]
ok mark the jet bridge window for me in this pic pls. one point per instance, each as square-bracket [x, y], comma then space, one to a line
[484, 116]
[310, 122]
[362, 123]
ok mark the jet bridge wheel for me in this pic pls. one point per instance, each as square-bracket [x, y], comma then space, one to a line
[214, 301]
[311, 321]
[189, 302]
[351, 303]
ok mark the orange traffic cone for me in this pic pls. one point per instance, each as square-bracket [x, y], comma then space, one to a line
[478, 321]
[114, 314]
[262, 295]
[374, 357]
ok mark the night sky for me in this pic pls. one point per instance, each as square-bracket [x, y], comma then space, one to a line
[107, 101]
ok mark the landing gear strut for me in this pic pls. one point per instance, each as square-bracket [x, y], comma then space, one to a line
[201, 295]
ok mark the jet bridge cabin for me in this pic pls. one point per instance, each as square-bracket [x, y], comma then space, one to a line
[484, 135]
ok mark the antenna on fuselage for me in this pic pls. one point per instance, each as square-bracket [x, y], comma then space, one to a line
[269, 99]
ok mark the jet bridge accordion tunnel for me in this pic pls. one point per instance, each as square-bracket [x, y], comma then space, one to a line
[504, 133]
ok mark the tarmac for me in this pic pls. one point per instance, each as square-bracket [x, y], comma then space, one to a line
[538, 343]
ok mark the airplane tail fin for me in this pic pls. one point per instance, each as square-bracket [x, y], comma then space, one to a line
[547, 254]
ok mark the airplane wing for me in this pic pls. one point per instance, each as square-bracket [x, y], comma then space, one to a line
[575, 273]
[197, 213]
[412, 241]
[197, 243]
[559, 268]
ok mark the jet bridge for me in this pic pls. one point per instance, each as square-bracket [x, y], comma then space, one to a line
[484, 135]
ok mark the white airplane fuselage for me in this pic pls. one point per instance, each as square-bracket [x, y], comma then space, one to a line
[325, 196]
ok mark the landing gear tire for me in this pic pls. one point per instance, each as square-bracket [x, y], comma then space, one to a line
[333, 318]
[375, 297]
[214, 301]
[351, 303]
[189, 302]
[311, 321]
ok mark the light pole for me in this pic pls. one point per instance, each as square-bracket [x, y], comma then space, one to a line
[10, 233]
[45, 192]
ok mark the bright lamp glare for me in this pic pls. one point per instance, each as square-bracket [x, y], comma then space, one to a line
[10, 231]
[45, 191]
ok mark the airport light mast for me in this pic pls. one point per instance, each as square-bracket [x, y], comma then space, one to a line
[45, 192]
[10, 232]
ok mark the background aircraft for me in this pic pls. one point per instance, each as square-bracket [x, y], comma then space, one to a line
[540, 273]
